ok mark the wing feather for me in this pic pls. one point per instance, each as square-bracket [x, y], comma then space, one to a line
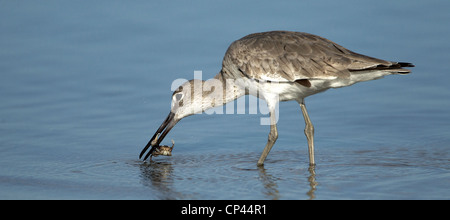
[289, 56]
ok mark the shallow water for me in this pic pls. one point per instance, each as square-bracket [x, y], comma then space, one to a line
[85, 85]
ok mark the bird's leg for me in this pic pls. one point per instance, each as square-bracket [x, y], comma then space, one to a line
[273, 135]
[309, 132]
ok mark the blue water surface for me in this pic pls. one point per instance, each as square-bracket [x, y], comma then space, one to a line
[84, 85]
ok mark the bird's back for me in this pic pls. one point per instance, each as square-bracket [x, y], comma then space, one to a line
[283, 56]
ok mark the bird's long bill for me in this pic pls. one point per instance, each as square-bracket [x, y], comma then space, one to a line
[165, 127]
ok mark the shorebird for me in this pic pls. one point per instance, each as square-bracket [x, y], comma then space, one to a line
[275, 66]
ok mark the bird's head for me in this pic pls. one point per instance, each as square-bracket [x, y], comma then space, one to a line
[186, 100]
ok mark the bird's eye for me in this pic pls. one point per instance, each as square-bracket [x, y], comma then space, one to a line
[178, 96]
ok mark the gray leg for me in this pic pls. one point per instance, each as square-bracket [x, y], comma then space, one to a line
[273, 135]
[309, 132]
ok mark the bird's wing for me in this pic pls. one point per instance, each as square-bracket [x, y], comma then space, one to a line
[289, 56]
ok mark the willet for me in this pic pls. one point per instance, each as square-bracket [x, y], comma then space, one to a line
[276, 66]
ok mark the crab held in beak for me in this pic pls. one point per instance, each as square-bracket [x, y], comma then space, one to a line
[161, 150]
[154, 142]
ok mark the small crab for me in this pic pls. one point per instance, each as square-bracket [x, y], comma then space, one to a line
[161, 150]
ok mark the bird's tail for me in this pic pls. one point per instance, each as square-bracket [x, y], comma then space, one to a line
[394, 68]
[397, 68]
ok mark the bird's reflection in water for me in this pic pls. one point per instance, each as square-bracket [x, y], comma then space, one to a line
[271, 188]
[159, 177]
[312, 182]
[269, 183]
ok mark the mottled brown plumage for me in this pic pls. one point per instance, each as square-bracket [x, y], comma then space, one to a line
[284, 56]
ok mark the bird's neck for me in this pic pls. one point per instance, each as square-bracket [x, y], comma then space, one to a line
[219, 91]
